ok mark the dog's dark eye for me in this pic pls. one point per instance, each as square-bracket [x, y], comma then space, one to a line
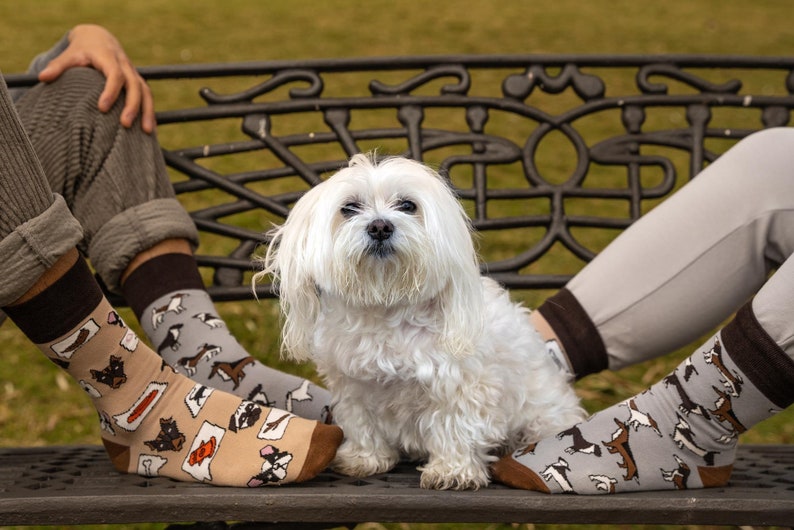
[406, 206]
[350, 209]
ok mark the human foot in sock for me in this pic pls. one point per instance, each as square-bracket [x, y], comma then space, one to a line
[179, 317]
[681, 433]
[154, 421]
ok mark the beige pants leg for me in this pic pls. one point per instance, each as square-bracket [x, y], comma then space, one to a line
[690, 263]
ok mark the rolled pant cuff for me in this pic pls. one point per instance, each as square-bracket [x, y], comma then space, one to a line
[580, 338]
[34, 246]
[134, 230]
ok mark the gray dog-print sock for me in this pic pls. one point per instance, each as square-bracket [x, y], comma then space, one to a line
[177, 314]
[186, 331]
[681, 433]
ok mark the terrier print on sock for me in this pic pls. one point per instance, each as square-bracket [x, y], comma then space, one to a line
[112, 375]
[168, 439]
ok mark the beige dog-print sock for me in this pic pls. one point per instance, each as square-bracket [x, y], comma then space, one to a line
[155, 422]
[181, 321]
[681, 433]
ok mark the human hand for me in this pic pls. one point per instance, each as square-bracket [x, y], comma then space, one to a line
[94, 46]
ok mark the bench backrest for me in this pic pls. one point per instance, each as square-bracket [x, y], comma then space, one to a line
[551, 155]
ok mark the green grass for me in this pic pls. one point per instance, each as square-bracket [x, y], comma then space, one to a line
[39, 405]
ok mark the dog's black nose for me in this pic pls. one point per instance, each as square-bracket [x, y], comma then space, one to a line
[380, 230]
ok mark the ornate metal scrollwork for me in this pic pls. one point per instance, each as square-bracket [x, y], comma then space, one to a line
[547, 152]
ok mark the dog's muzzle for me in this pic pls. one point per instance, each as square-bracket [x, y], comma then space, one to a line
[380, 232]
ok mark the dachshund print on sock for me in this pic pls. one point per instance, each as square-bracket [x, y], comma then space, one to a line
[731, 381]
[723, 411]
[205, 352]
[619, 444]
[231, 371]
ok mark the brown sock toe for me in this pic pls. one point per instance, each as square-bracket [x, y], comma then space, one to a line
[322, 449]
[507, 471]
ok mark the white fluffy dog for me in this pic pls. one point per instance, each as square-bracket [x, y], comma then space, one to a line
[380, 286]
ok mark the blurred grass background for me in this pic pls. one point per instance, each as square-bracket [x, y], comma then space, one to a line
[40, 405]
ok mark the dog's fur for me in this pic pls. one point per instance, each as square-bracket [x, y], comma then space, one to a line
[380, 286]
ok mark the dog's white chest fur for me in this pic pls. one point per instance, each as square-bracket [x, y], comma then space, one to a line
[397, 390]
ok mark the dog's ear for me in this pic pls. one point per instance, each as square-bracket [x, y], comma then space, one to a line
[462, 298]
[289, 260]
[463, 318]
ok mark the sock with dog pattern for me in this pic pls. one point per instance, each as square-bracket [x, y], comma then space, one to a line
[179, 317]
[154, 421]
[680, 433]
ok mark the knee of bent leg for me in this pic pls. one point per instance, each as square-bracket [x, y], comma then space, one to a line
[80, 82]
[79, 89]
[764, 159]
[775, 145]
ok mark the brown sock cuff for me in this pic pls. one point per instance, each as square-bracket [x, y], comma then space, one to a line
[580, 338]
[60, 307]
[159, 276]
[758, 356]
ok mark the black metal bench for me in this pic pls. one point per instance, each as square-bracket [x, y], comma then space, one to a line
[551, 155]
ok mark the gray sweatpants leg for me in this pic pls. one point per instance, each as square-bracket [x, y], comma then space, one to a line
[36, 227]
[695, 259]
[113, 179]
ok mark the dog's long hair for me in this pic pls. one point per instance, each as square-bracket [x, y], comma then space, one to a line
[323, 250]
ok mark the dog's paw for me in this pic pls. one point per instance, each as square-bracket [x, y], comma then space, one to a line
[447, 476]
[360, 462]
